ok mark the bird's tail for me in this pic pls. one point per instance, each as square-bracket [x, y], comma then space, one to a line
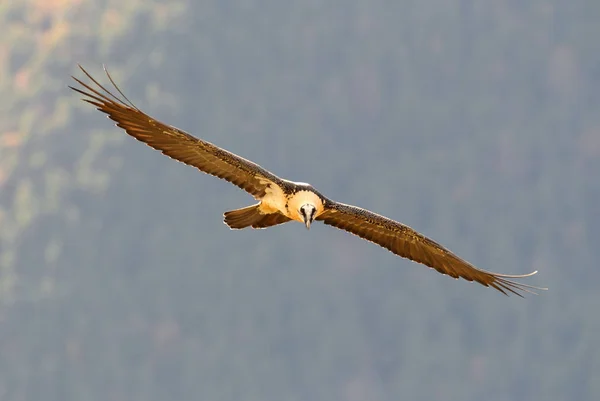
[244, 217]
[252, 217]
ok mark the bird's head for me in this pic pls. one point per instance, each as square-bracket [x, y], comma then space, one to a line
[308, 212]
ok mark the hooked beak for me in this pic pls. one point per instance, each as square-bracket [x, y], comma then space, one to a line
[307, 223]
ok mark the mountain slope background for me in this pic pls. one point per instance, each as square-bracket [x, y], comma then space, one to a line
[476, 124]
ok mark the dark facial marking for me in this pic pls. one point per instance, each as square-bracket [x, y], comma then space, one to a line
[311, 216]
[303, 213]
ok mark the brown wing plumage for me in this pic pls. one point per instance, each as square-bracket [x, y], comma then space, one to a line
[406, 242]
[176, 143]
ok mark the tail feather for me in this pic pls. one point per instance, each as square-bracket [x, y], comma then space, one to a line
[244, 217]
[252, 216]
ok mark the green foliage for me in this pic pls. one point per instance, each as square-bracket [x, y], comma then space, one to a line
[475, 123]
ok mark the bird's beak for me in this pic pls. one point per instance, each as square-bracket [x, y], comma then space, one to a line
[307, 223]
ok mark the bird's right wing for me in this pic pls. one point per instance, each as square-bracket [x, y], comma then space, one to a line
[176, 143]
[408, 243]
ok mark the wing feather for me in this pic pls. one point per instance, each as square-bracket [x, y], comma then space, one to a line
[408, 243]
[174, 142]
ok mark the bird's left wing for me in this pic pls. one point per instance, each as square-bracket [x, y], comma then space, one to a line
[176, 143]
[408, 243]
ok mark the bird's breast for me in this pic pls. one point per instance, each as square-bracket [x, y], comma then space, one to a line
[274, 201]
[300, 198]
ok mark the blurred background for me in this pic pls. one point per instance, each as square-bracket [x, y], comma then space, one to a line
[476, 123]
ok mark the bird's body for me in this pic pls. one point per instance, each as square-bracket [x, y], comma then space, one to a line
[280, 200]
[283, 201]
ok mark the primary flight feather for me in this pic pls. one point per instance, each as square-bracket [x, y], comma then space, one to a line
[281, 200]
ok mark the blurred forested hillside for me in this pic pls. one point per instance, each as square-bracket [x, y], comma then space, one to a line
[477, 123]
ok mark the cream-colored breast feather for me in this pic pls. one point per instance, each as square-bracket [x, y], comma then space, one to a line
[300, 198]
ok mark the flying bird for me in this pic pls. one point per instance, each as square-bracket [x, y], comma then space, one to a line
[281, 200]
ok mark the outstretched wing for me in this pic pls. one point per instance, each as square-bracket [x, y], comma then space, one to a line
[406, 242]
[174, 142]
